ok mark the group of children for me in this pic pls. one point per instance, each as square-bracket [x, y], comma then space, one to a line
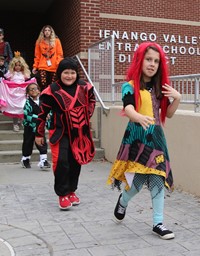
[19, 99]
[66, 106]
[19, 95]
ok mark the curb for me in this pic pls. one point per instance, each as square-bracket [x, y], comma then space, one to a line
[6, 249]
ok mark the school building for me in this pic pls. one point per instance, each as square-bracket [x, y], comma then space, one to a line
[80, 23]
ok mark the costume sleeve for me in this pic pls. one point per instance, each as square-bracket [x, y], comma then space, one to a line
[45, 108]
[127, 88]
[27, 77]
[128, 99]
[9, 51]
[28, 113]
[59, 51]
[37, 55]
[92, 101]
[1, 73]
[8, 75]
[128, 94]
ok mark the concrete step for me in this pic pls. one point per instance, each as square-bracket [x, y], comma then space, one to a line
[9, 134]
[11, 143]
[8, 145]
[6, 125]
[5, 118]
[14, 156]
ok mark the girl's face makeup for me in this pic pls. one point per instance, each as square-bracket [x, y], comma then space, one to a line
[68, 76]
[150, 64]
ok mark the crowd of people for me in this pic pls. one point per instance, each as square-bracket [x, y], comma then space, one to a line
[18, 99]
[54, 98]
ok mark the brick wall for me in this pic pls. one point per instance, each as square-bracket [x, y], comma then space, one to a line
[65, 16]
[176, 14]
[78, 22]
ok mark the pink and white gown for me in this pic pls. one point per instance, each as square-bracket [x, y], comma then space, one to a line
[13, 94]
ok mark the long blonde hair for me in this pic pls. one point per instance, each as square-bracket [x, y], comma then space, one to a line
[24, 66]
[53, 36]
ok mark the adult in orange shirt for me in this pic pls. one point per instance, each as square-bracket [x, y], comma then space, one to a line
[48, 54]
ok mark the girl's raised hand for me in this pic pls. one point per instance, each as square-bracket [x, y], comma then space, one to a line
[169, 91]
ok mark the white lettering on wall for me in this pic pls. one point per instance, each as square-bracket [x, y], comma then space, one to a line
[174, 44]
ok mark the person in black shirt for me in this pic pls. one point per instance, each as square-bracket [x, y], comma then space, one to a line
[3, 68]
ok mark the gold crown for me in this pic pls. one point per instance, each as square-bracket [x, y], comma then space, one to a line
[17, 54]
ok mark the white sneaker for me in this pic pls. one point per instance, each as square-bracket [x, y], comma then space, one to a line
[44, 164]
[16, 128]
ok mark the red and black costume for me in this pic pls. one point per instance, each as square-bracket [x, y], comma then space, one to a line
[69, 134]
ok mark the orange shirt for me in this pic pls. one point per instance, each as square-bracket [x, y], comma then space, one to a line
[45, 53]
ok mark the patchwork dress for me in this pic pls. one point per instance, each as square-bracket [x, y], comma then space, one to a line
[142, 151]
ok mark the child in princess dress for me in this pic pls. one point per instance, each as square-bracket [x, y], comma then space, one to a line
[12, 90]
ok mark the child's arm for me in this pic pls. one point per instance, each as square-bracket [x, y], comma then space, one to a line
[134, 116]
[45, 108]
[9, 51]
[168, 91]
[36, 58]
[8, 75]
[59, 51]
[29, 116]
[92, 101]
[27, 77]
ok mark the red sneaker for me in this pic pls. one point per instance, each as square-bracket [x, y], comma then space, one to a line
[73, 198]
[64, 202]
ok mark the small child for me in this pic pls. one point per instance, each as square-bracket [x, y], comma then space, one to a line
[71, 102]
[31, 110]
[3, 69]
[143, 157]
[18, 73]
[5, 49]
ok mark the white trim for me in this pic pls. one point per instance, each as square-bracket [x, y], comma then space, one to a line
[148, 19]
[9, 247]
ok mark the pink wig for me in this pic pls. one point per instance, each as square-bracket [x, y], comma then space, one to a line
[135, 72]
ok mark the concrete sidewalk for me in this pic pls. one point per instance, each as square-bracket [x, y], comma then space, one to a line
[31, 223]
